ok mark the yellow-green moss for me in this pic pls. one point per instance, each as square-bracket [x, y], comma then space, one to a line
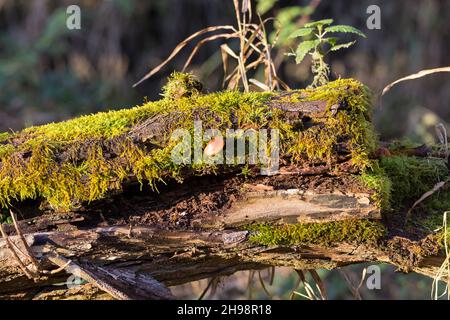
[329, 233]
[376, 179]
[181, 85]
[32, 167]
[65, 184]
[320, 142]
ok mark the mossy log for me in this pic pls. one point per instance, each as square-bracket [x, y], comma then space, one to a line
[100, 196]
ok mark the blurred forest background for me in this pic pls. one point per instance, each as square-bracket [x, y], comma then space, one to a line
[49, 73]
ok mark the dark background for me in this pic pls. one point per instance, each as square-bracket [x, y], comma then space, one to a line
[49, 73]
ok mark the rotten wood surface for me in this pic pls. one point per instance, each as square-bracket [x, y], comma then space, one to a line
[138, 260]
[137, 244]
[143, 261]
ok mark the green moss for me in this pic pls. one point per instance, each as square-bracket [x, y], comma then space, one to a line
[411, 176]
[68, 163]
[350, 231]
[181, 85]
[376, 179]
[398, 180]
[321, 141]
[31, 167]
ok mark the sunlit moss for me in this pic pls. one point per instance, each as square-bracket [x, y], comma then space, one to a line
[181, 85]
[329, 233]
[376, 179]
[321, 141]
[32, 166]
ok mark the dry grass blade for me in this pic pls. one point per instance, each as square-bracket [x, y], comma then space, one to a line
[272, 275]
[233, 78]
[269, 71]
[14, 253]
[310, 294]
[363, 277]
[354, 290]
[240, 71]
[417, 75]
[319, 283]
[427, 194]
[180, 46]
[444, 270]
[441, 132]
[283, 84]
[254, 50]
[253, 43]
[210, 283]
[251, 275]
[247, 8]
[224, 56]
[237, 13]
[293, 291]
[21, 236]
[243, 74]
[214, 286]
[202, 42]
[260, 85]
[230, 52]
[263, 286]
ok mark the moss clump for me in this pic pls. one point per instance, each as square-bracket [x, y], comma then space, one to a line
[411, 177]
[32, 164]
[83, 159]
[376, 179]
[181, 85]
[397, 179]
[321, 141]
[329, 233]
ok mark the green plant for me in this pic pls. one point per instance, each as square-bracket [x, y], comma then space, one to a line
[4, 216]
[320, 46]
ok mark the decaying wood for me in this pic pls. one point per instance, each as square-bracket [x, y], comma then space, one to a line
[298, 206]
[120, 284]
[139, 261]
[137, 248]
[147, 256]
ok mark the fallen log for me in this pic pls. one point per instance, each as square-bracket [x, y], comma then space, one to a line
[101, 196]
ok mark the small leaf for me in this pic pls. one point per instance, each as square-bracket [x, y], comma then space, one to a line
[304, 48]
[344, 29]
[342, 46]
[330, 40]
[301, 33]
[317, 23]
